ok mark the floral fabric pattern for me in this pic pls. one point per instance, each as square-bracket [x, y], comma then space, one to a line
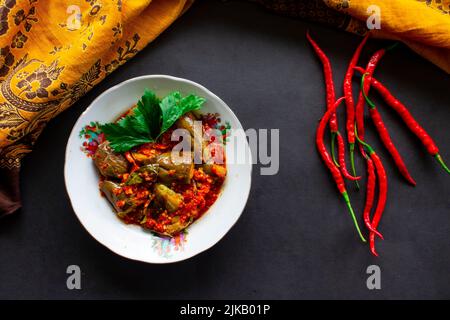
[5, 8]
[6, 60]
[51, 58]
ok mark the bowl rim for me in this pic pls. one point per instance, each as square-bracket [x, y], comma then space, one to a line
[118, 86]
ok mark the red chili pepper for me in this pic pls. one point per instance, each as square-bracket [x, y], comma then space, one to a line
[329, 87]
[337, 176]
[348, 93]
[341, 158]
[382, 191]
[324, 153]
[408, 119]
[370, 195]
[370, 68]
[385, 136]
[382, 195]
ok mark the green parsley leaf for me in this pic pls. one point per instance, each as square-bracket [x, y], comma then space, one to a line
[191, 103]
[121, 138]
[173, 106]
[151, 118]
[148, 108]
[169, 110]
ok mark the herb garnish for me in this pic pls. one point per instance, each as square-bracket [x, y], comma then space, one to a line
[149, 120]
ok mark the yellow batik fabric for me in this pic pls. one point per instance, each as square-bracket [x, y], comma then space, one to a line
[423, 25]
[53, 52]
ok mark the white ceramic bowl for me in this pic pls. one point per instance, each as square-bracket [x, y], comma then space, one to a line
[131, 241]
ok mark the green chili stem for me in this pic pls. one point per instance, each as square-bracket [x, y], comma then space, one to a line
[369, 102]
[365, 144]
[352, 161]
[441, 162]
[352, 214]
[333, 142]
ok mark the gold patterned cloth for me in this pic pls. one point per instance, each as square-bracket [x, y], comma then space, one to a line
[423, 25]
[52, 53]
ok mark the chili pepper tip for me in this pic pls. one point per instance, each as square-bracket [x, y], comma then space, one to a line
[412, 181]
[374, 252]
[441, 162]
[352, 214]
[372, 229]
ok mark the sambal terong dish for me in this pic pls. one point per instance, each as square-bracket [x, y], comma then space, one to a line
[143, 173]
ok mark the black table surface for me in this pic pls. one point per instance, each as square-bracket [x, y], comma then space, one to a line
[294, 239]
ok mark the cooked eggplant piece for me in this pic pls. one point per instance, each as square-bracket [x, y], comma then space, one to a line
[176, 226]
[143, 158]
[171, 200]
[109, 163]
[134, 178]
[165, 176]
[112, 192]
[136, 215]
[187, 122]
[180, 168]
[215, 169]
[146, 173]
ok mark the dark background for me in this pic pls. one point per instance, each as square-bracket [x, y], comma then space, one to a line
[295, 238]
